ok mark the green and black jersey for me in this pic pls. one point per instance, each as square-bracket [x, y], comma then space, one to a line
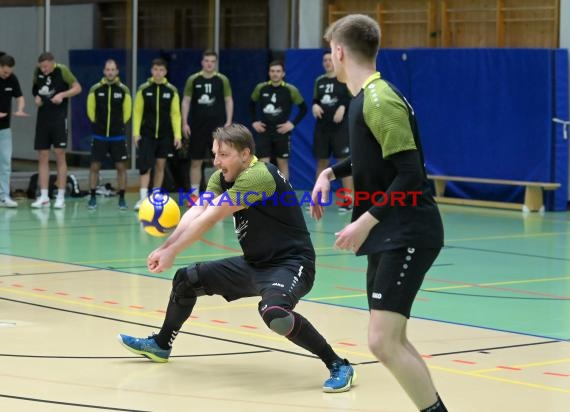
[276, 102]
[329, 93]
[109, 108]
[157, 111]
[208, 103]
[47, 86]
[271, 228]
[386, 156]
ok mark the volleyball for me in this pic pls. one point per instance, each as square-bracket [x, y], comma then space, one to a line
[159, 214]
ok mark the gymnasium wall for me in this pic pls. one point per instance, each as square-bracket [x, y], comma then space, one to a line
[21, 35]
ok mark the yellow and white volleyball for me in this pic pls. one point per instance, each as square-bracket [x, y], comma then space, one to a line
[159, 214]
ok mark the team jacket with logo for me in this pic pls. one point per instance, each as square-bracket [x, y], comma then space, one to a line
[157, 111]
[109, 108]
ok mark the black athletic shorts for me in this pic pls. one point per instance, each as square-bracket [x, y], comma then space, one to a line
[116, 148]
[151, 149]
[51, 133]
[234, 278]
[201, 139]
[394, 277]
[273, 144]
[331, 139]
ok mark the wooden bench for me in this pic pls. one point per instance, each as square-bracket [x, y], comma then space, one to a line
[533, 195]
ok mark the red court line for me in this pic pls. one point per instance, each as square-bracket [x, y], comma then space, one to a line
[509, 368]
[219, 321]
[248, 326]
[564, 375]
[464, 361]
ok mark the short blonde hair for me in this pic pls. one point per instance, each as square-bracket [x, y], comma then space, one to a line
[235, 135]
[358, 33]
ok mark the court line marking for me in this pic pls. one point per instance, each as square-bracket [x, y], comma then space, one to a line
[360, 308]
[184, 395]
[88, 262]
[494, 348]
[146, 314]
[239, 332]
[506, 237]
[509, 282]
[527, 365]
[81, 405]
[200, 355]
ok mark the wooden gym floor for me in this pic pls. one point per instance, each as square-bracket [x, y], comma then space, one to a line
[492, 320]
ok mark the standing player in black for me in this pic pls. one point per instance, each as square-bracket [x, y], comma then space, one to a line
[208, 99]
[53, 86]
[330, 104]
[276, 99]
[156, 126]
[278, 261]
[109, 109]
[9, 89]
[401, 239]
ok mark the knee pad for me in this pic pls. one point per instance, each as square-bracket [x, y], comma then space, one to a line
[275, 311]
[186, 286]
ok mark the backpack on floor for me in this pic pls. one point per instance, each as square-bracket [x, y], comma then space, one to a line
[71, 188]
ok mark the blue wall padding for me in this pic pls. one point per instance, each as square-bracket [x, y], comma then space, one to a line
[482, 112]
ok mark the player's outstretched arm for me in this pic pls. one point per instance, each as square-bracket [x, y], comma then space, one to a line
[187, 217]
[189, 231]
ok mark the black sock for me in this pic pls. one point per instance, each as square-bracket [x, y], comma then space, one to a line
[438, 406]
[93, 192]
[122, 194]
[176, 315]
[306, 336]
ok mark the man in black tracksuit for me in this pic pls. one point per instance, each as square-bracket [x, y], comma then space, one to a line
[109, 107]
[157, 128]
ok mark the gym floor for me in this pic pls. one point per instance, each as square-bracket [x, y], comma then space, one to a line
[492, 319]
